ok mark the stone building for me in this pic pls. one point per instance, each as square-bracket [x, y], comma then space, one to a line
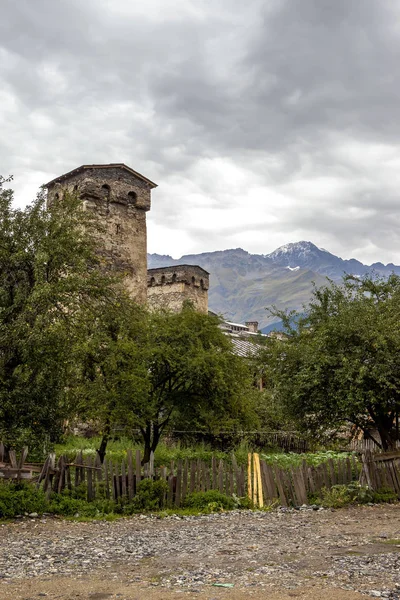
[121, 197]
[169, 287]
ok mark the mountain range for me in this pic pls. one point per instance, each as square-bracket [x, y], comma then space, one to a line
[244, 285]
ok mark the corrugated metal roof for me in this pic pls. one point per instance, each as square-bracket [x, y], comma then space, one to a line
[243, 347]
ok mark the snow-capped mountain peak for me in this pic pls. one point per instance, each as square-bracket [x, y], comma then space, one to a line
[301, 248]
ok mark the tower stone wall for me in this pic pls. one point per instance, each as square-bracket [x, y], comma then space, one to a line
[169, 287]
[120, 197]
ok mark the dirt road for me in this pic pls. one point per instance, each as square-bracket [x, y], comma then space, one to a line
[330, 555]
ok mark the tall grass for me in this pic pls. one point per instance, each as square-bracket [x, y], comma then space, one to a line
[165, 453]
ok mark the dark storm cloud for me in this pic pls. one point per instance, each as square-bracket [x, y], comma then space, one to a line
[273, 119]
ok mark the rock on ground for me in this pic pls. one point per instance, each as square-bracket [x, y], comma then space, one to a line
[349, 553]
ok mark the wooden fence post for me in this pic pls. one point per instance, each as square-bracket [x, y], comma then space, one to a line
[123, 479]
[249, 484]
[131, 490]
[178, 486]
[257, 470]
[138, 468]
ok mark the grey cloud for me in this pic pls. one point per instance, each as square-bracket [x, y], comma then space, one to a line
[275, 88]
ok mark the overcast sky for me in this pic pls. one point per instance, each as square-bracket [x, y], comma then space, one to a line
[263, 122]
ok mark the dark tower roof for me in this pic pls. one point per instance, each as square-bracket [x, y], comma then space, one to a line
[78, 170]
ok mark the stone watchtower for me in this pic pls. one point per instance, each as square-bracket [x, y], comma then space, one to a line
[169, 287]
[120, 197]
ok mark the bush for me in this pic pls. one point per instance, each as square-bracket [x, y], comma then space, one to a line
[211, 501]
[384, 495]
[150, 496]
[64, 504]
[343, 495]
[17, 498]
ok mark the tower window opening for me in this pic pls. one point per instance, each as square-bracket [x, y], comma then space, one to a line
[107, 191]
[152, 281]
[202, 284]
[132, 197]
[193, 280]
[118, 229]
[163, 280]
[174, 278]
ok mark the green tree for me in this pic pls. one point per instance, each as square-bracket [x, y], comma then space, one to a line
[48, 276]
[112, 367]
[340, 363]
[147, 369]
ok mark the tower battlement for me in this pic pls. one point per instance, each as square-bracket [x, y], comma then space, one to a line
[169, 287]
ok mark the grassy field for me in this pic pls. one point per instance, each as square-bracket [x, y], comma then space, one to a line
[116, 450]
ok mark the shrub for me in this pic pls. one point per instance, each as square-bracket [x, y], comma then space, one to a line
[17, 498]
[384, 495]
[150, 496]
[343, 495]
[64, 504]
[211, 501]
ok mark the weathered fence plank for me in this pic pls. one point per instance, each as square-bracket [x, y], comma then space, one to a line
[123, 480]
[138, 467]
[185, 480]
[279, 485]
[131, 489]
[178, 485]
[192, 485]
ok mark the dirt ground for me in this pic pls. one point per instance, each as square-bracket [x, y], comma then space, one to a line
[95, 588]
[330, 555]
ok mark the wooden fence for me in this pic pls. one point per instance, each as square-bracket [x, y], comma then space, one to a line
[366, 446]
[381, 471]
[119, 480]
[292, 487]
[265, 484]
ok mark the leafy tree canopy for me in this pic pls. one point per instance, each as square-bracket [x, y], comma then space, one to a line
[48, 276]
[340, 363]
[154, 368]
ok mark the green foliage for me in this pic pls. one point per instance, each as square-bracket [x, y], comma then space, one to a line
[339, 496]
[69, 506]
[161, 369]
[384, 495]
[340, 363]
[49, 278]
[164, 453]
[270, 410]
[150, 497]
[291, 459]
[20, 498]
[211, 501]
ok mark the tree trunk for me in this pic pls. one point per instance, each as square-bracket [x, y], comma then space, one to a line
[388, 437]
[104, 441]
[151, 437]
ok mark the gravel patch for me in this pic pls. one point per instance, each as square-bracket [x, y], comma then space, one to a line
[354, 549]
